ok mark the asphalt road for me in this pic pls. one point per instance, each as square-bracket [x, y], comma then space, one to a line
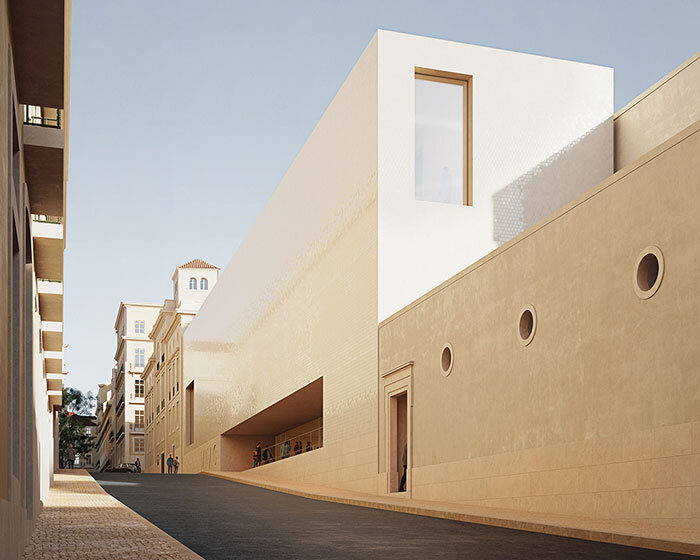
[219, 519]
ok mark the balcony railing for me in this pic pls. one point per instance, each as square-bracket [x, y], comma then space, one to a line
[136, 427]
[47, 219]
[120, 404]
[295, 445]
[120, 432]
[42, 116]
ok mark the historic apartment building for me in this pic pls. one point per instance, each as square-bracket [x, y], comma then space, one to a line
[192, 283]
[494, 272]
[134, 348]
[105, 434]
[34, 101]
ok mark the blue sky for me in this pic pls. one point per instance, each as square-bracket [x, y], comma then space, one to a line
[185, 115]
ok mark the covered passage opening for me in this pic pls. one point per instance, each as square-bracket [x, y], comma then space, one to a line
[291, 426]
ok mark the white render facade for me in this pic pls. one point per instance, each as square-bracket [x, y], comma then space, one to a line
[134, 322]
[300, 302]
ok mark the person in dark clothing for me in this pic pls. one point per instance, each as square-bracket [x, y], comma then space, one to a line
[308, 446]
[296, 448]
[404, 460]
[258, 455]
[267, 456]
[169, 462]
[70, 456]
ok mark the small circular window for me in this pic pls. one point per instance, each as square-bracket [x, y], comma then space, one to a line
[446, 360]
[527, 324]
[648, 272]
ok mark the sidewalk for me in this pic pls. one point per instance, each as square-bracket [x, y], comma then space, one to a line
[657, 537]
[80, 521]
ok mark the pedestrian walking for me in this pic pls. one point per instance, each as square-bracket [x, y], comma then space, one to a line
[70, 456]
[169, 462]
[176, 465]
[138, 465]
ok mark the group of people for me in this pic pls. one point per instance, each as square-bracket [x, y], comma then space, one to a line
[264, 456]
[173, 464]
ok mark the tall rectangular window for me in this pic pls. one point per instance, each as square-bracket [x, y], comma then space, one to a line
[139, 357]
[138, 388]
[138, 445]
[443, 170]
[138, 418]
[140, 326]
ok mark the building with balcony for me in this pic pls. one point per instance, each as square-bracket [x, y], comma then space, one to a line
[192, 283]
[35, 56]
[126, 434]
[103, 410]
[475, 281]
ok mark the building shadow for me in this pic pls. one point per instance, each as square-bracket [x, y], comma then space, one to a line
[553, 183]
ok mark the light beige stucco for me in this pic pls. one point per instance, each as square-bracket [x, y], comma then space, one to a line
[600, 414]
[663, 110]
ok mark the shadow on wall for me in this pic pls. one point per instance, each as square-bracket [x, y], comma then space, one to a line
[553, 183]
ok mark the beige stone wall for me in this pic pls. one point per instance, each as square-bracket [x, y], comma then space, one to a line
[600, 415]
[665, 109]
[298, 301]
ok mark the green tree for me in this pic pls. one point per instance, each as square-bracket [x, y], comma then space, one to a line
[70, 430]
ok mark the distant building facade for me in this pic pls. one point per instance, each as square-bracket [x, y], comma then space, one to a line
[134, 348]
[105, 434]
[192, 283]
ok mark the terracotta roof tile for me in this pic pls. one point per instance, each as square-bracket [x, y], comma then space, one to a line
[197, 263]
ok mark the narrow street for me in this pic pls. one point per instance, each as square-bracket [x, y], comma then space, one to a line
[220, 519]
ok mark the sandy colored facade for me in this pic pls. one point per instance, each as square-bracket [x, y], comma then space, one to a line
[34, 61]
[511, 343]
[164, 428]
[134, 348]
[103, 410]
[599, 415]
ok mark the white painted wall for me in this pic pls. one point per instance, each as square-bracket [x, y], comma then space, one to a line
[193, 299]
[542, 135]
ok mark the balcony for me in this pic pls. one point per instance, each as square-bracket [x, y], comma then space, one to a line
[136, 427]
[54, 381]
[52, 335]
[53, 362]
[50, 300]
[55, 399]
[47, 233]
[40, 31]
[120, 433]
[118, 377]
[120, 405]
[44, 142]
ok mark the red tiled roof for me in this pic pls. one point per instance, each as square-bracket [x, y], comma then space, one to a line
[197, 263]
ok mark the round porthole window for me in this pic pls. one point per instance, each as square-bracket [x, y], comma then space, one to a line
[648, 272]
[446, 359]
[527, 324]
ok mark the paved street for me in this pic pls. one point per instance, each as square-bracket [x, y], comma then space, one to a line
[220, 519]
[80, 522]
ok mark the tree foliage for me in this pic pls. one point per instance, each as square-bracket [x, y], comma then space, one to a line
[70, 429]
